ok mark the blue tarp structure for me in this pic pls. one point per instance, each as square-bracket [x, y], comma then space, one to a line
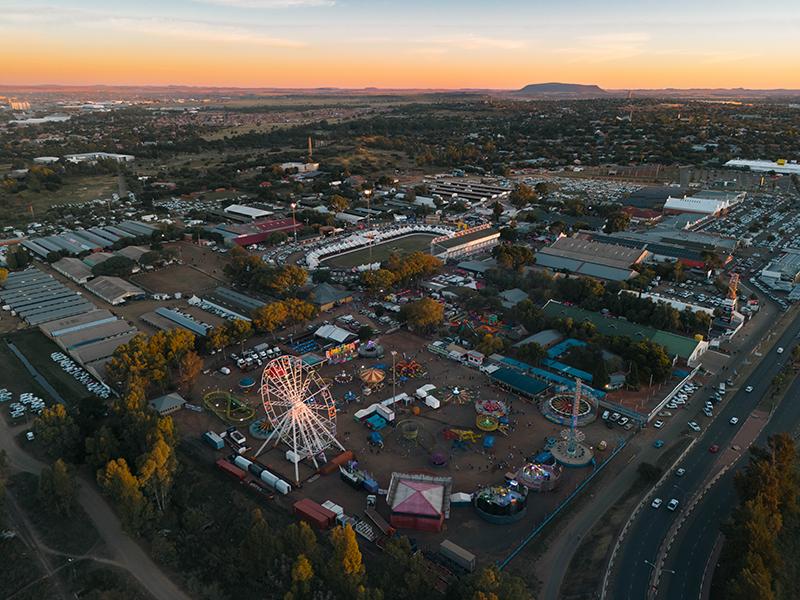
[562, 347]
[567, 370]
[488, 442]
[375, 422]
[520, 383]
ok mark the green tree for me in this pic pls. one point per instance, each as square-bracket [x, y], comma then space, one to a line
[57, 488]
[119, 483]
[522, 195]
[424, 314]
[617, 221]
[58, 432]
[116, 266]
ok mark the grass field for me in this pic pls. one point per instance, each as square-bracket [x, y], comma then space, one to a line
[83, 189]
[37, 348]
[380, 252]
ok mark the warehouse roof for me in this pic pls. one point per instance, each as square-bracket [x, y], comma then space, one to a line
[68, 324]
[517, 381]
[167, 403]
[113, 289]
[74, 268]
[135, 253]
[588, 250]
[325, 293]
[90, 335]
[100, 349]
[510, 298]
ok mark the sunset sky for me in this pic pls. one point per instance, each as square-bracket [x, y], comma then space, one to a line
[401, 43]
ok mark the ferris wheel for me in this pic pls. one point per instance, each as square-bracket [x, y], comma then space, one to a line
[300, 409]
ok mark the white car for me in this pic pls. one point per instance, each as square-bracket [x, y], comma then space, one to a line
[780, 349]
[658, 424]
[734, 420]
[680, 472]
[748, 389]
[694, 426]
[238, 437]
[673, 504]
[656, 503]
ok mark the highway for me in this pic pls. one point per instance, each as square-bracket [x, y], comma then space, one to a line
[689, 554]
[639, 551]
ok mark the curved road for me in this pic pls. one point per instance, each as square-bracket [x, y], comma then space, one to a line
[641, 547]
[690, 552]
[126, 551]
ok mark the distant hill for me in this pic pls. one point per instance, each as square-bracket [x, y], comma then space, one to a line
[562, 90]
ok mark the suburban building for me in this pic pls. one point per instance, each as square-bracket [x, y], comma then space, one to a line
[510, 298]
[95, 156]
[325, 296]
[249, 212]
[167, 404]
[783, 272]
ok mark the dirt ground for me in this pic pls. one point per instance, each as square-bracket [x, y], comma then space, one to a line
[187, 279]
[471, 468]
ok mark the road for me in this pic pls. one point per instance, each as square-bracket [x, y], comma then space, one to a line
[693, 546]
[640, 549]
[127, 553]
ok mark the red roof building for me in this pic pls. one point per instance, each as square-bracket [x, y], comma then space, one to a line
[419, 501]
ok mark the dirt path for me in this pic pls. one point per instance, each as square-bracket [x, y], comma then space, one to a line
[128, 554]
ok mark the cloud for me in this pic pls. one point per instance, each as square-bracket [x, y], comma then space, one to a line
[469, 42]
[175, 28]
[270, 3]
[195, 30]
[608, 46]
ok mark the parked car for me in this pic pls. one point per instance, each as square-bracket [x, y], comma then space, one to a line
[713, 449]
[238, 437]
[658, 424]
[748, 389]
[673, 504]
[656, 503]
[734, 420]
[694, 426]
[680, 472]
[658, 444]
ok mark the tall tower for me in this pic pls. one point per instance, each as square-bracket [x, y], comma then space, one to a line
[310, 150]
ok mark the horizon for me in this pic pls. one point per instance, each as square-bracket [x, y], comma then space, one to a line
[353, 44]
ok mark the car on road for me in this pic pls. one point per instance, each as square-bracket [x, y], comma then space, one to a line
[673, 504]
[780, 349]
[658, 444]
[748, 389]
[734, 420]
[680, 472]
[658, 424]
[693, 426]
[713, 449]
[656, 503]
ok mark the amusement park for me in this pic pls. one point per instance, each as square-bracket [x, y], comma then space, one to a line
[400, 438]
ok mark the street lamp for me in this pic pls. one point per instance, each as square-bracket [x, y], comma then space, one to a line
[294, 221]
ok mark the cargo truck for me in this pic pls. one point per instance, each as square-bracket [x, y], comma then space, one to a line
[455, 553]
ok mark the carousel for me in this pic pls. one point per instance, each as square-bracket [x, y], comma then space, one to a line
[502, 504]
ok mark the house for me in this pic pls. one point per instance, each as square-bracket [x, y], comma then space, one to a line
[325, 296]
[510, 298]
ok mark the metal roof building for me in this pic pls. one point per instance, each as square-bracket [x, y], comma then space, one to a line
[183, 321]
[92, 335]
[114, 290]
[74, 323]
[37, 297]
[74, 268]
[237, 300]
[99, 350]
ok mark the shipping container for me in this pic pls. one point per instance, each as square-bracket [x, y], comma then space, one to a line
[333, 507]
[315, 514]
[213, 440]
[463, 558]
[230, 469]
[242, 463]
[333, 464]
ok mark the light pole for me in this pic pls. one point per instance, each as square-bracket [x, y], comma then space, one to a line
[367, 194]
[394, 375]
[294, 221]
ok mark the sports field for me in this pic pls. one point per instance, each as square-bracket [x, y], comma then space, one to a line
[380, 252]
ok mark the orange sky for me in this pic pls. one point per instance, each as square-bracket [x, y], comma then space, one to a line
[312, 43]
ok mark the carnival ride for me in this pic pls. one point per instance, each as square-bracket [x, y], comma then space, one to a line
[504, 503]
[570, 450]
[228, 407]
[300, 408]
[539, 477]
